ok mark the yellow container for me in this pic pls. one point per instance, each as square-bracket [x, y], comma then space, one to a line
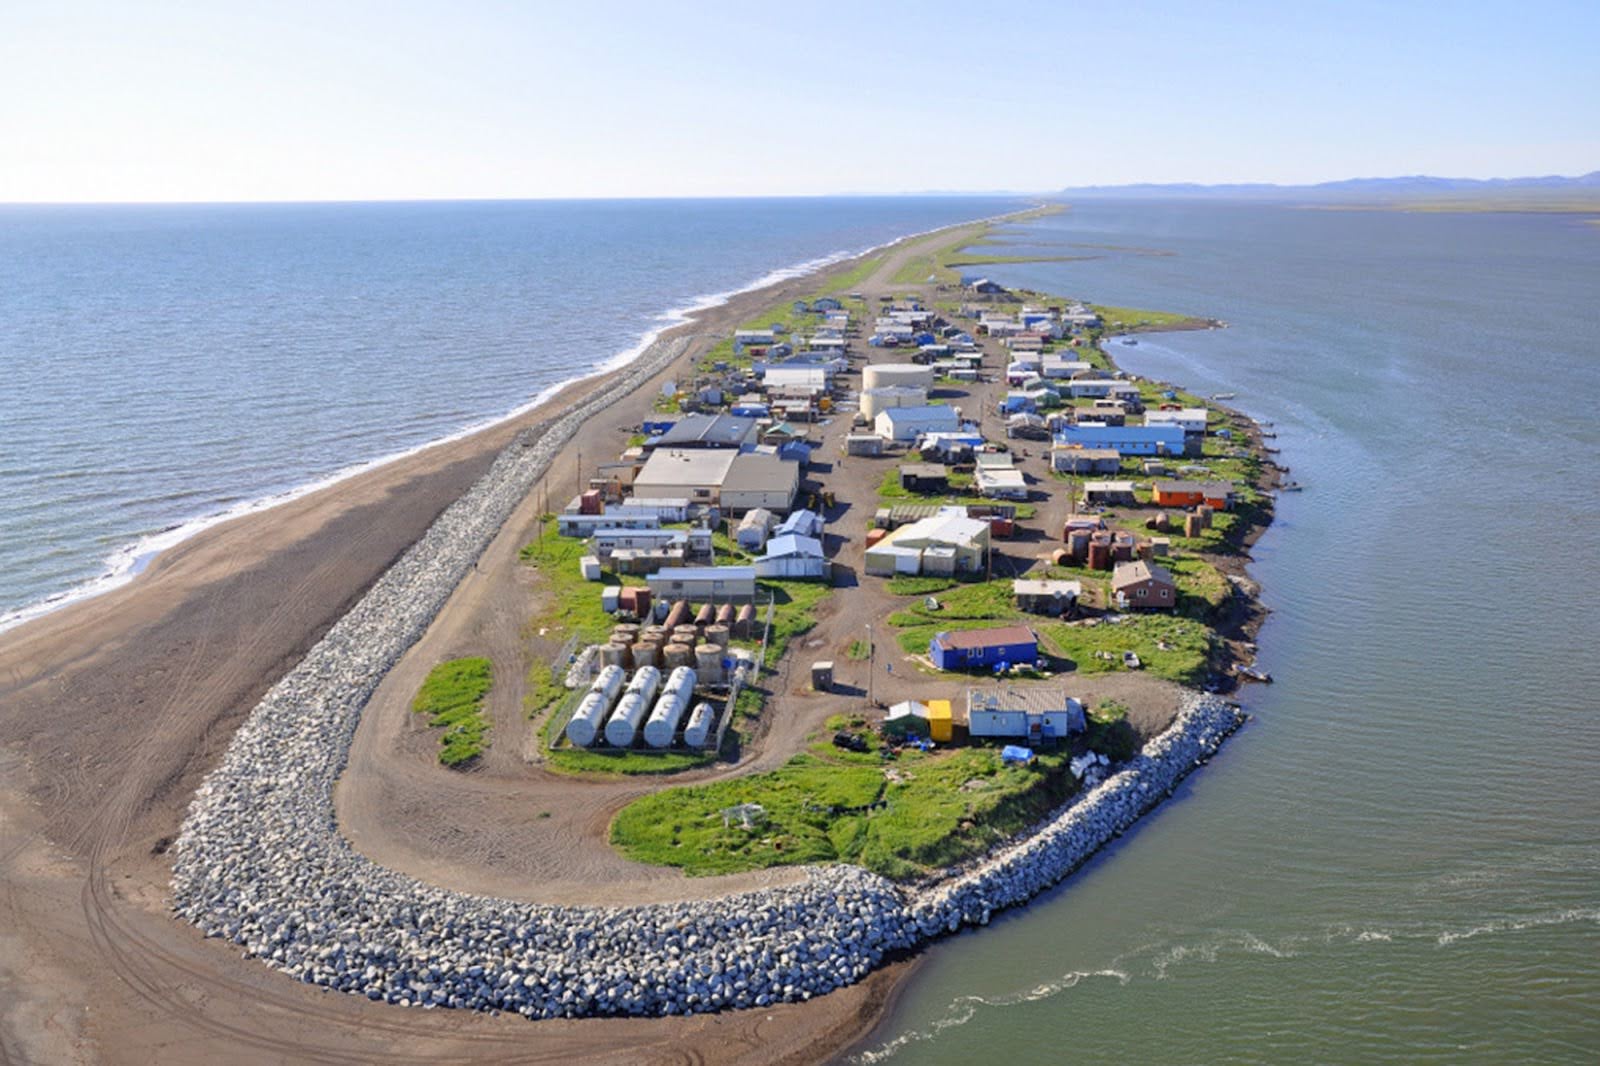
[941, 721]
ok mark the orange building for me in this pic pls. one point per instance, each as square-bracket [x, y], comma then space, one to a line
[1218, 494]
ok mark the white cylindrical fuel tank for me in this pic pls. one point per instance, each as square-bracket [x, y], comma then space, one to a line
[584, 727]
[635, 704]
[608, 682]
[884, 397]
[698, 731]
[675, 696]
[881, 375]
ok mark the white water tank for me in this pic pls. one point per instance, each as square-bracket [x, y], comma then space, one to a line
[881, 399]
[675, 696]
[698, 731]
[881, 375]
[624, 724]
[584, 727]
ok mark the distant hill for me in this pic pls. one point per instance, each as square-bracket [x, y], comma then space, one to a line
[1360, 190]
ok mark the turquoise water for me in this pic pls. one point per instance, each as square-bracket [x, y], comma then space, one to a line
[164, 366]
[1398, 860]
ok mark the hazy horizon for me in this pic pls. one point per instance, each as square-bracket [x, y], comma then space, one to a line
[232, 103]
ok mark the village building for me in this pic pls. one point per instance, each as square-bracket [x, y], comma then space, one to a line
[982, 649]
[1215, 494]
[707, 431]
[924, 477]
[1039, 715]
[1071, 459]
[707, 584]
[1053, 598]
[753, 529]
[1139, 585]
[1125, 440]
[906, 424]
[1109, 494]
[946, 543]
[759, 479]
[790, 556]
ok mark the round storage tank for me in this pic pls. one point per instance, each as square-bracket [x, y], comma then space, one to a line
[678, 615]
[905, 375]
[614, 655]
[584, 726]
[698, 731]
[708, 664]
[705, 615]
[725, 615]
[881, 399]
[646, 653]
[676, 656]
[717, 634]
[685, 635]
[631, 709]
[662, 724]
[743, 622]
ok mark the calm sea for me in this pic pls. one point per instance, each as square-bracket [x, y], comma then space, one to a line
[1398, 861]
[164, 366]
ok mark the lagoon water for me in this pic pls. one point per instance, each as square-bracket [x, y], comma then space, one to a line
[1398, 860]
[164, 365]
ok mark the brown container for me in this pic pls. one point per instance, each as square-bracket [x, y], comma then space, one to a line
[875, 535]
[708, 665]
[1205, 511]
[676, 655]
[1099, 555]
[705, 615]
[590, 502]
[1163, 523]
[1060, 557]
[1192, 526]
[636, 600]
[744, 621]
[678, 615]
[725, 614]
[685, 635]
[717, 634]
[614, 655]
[646, 653]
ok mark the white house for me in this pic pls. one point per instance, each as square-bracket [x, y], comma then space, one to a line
[908, 423]
[1191, 419]
[792, 556]
[1032, 713]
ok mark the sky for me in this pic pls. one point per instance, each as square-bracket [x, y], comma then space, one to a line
[355, 100]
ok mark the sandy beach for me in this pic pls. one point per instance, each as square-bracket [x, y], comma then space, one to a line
[116, 707]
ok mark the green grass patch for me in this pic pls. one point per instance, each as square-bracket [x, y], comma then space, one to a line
[572, 604]
[541, 690]
[919, 585]
[1178, 649]
[828, 806]
[627, 763]
[452, 698]
[1126, 319]
[858, 650]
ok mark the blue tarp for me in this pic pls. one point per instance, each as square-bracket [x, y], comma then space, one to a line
[1015, 753]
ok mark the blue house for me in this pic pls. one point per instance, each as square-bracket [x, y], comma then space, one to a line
[826, 303]
[1125, 440]
[978, 649]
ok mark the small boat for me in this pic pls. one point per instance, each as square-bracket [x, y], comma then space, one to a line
[1224, 395]
[1268, 433]
[1254, 674]
[1290, 486]
[1272, 451]
[1131, 661]
[1129, 341]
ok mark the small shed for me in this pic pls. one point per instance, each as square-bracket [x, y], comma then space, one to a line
[589, 567]
[751, 533]
[924, 477]
[863, 444]
[822, 675]
[1053, 598]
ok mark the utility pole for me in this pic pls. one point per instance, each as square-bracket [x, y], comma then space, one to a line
[872, 664]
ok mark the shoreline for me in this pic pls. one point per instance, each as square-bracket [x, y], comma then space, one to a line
[104, 752]
[855, 1010]
[125, 563]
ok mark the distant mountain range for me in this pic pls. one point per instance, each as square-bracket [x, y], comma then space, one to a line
[1356, 190]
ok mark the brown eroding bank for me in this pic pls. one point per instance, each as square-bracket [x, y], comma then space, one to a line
[113, 709]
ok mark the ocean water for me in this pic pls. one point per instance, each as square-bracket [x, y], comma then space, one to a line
[1398, 859]
[162, 367]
